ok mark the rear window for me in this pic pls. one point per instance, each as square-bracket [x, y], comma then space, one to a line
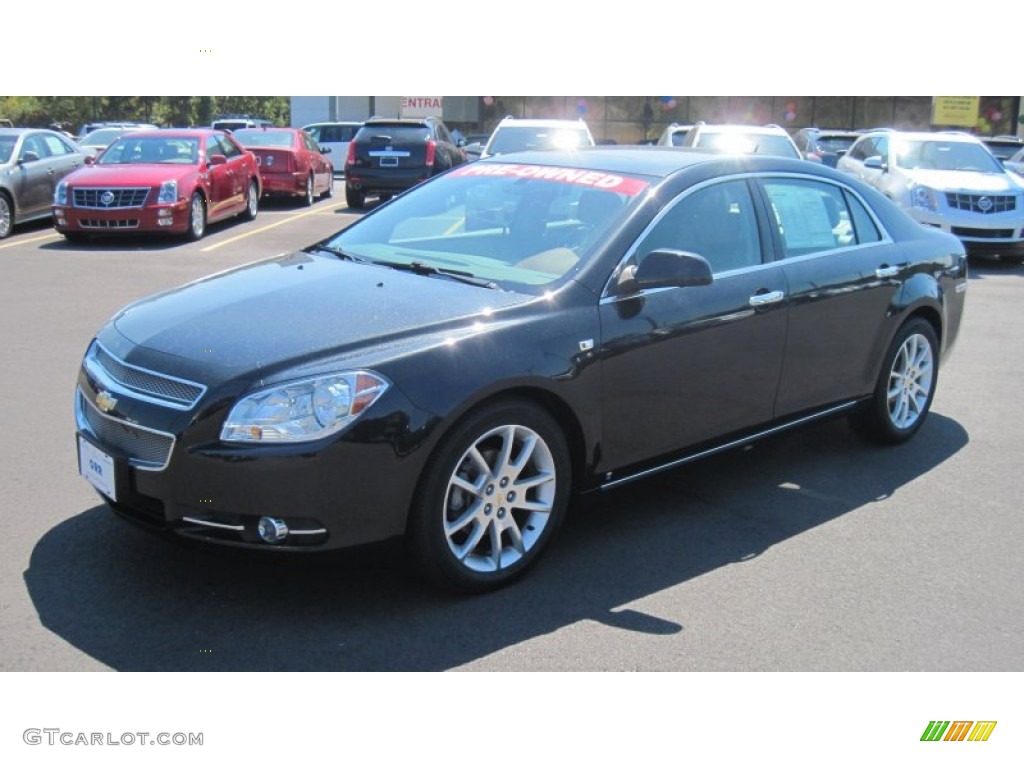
[325, 133]
[257, 137]
[836, 143]
[393, 133]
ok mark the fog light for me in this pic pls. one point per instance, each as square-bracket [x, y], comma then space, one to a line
[62, 222]
[272, 530]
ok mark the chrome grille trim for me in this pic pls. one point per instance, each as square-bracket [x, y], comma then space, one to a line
[155, 387]
[146, 449]
[120, 197]
[107, 224]
[969, 202]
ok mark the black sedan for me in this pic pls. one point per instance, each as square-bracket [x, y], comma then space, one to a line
[457, 364]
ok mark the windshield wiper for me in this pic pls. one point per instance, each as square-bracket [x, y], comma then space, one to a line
[419, 268]
[336, 251]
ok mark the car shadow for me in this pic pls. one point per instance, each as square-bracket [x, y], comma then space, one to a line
[143, 241]
[137, 602]
[978, 268]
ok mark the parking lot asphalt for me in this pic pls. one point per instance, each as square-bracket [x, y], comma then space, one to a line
[809, 551]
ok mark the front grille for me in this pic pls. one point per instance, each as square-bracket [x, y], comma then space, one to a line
[109, 224]
[974, 204]
[110, 198]
[144, 448]
[983, 233]
[180, 393]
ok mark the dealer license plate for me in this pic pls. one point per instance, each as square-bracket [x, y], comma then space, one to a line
[96, 467]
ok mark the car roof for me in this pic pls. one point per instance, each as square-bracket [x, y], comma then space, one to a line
[541, 122]
[20, 131]
[774, 130]
[179, 133]
[965, 138]
[332, 122]
[654, 161]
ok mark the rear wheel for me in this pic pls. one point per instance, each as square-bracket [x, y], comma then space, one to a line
[493, 496]
[905, 388]
[252, 202]
[385, 196]
[196, 218]
[6, 216]
[356, 198]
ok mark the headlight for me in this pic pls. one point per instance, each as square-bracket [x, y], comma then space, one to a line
[301, 411]
[923, 197]
[60, 194]
[168, 192]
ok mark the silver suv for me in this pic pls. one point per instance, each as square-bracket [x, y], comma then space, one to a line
[515, 134]
[948, 181]
[742, 140]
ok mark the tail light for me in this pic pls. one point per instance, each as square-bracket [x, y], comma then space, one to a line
[350, 158]
[431, 151]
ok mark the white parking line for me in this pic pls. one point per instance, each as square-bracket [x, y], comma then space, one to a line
[215, 246]
[50, 236]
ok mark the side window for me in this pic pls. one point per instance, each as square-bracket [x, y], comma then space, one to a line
[55, 145]
[309, 143]
[716, 222]
[33, 144]
[213, 147]
[864, 228]
[813, 216]
[230, 148]
[859, 151]
[882, 148]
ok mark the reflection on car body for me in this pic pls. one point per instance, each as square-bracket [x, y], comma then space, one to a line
[455, 365]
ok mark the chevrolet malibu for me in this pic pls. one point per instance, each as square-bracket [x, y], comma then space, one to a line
[167, 181]
[455, 365]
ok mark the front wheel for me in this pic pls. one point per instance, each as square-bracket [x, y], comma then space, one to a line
[905, 388]
[492, 497]
[196, 218]
[6, 216]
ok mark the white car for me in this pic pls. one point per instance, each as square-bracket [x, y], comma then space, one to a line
[949, 181]
[742, 140]
[336, 136]
[514, 134]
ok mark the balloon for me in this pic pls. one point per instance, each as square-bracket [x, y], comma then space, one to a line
[581, 106]
[488, 100]
[996, 116]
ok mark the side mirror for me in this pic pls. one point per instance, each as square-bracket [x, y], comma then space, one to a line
[876, 163]
[28, 156]
[666, 269]
[325, 150]
[90, 159]
[217, 160]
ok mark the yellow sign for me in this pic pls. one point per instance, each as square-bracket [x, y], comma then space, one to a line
[961, 111]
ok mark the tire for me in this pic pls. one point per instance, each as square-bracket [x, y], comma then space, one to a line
[196, 218]
[492, 497]
[905, 388]
[355, 198]
[329, 192]
[310, 197]
[252, 202]
[6, 216]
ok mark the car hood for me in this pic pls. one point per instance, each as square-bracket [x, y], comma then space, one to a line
[130, 173]
[301, 309]
[964, 181]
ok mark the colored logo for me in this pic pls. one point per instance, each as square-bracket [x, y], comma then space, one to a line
[958, 730]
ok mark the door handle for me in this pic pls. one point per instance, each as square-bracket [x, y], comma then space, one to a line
[886, 271]
[770, 297]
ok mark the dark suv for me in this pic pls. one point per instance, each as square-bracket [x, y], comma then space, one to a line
[389, 156]
[824, 145]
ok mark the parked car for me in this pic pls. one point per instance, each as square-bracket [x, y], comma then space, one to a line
[389, 156]
[96, 141]
[88, 128]
[742, 139]
[474, 145]
[32, 161]
[1003, 147]
[336, 137]
[821, 145]
[231, 123]
[514, 134]
[948, 181]
[290, 162]
[673, 136]
[167, 181]
[455, 365]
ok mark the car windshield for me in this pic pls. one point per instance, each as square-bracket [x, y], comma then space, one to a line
[836, 143]
[514, 138]
[102, 137]
[151, 149]
[521, 226]
[945, 156]
[7, 147]
[738, 142]
[256, 137]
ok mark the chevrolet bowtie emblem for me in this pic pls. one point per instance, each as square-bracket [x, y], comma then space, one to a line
[105, 402]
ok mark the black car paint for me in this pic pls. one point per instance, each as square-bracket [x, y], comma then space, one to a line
[594, 359]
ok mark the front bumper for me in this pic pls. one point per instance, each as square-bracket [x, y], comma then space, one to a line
[980, 233]
[171, 218]
[172, 473]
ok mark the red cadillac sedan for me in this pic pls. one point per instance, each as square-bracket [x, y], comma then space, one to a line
[172, 181]
[291, 163]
